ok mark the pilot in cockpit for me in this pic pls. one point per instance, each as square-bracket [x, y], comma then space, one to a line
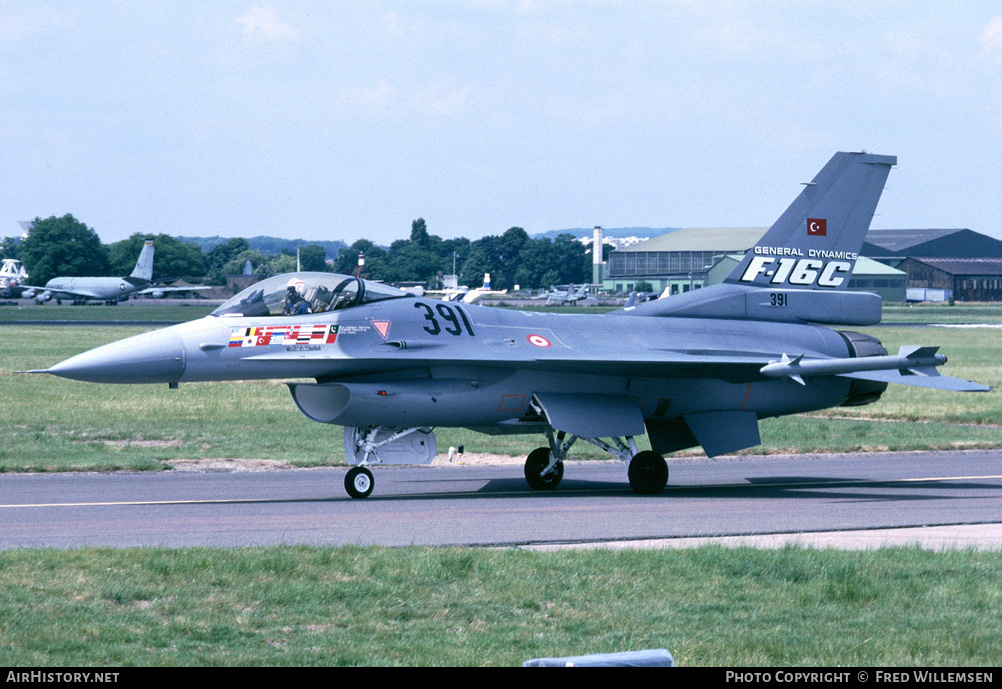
[295, 302]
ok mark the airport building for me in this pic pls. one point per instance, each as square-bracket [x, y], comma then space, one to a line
[886, 245]
[942, 265]
[959, 279]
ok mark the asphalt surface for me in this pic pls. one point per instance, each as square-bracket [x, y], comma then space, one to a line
[800, 498]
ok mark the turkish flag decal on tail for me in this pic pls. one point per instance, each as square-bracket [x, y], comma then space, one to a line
[817, 227]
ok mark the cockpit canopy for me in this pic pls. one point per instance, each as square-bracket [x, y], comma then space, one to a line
[299, 293]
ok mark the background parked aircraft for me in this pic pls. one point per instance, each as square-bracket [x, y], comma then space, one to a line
[108, 289]
[12, 277]
[570, 295]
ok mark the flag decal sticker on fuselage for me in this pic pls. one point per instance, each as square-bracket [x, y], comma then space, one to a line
[817, 227]
[283, 335]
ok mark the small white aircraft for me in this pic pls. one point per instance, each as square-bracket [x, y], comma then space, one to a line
[12, 274]
[474, 295]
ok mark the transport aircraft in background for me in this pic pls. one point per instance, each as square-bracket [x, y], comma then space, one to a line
[110, 290]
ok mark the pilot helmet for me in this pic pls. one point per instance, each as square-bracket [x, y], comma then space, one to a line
[296, 285]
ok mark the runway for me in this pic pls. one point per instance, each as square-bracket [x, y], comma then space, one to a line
[492, 505]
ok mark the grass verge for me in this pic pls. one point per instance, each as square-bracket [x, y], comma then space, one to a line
[173, 313]
[415, 606]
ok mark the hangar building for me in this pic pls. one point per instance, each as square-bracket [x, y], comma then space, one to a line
[957, 243]
[960, 279]
[958, 264]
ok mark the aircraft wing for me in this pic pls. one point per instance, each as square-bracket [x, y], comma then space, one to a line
[62, 293]
[728, 365]
[158, 290]
[735, 367]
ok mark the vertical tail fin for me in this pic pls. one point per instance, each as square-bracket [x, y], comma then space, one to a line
[815, 243]
[144, 266]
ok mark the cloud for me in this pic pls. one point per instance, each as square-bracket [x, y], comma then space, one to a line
[262, 24]
[991, 39]
[377, 96]
[439, 99]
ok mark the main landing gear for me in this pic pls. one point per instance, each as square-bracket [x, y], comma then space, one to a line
[540, 472]
[647, 472]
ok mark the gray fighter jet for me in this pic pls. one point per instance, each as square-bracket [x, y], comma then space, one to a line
[700, 368]
[110, 290]
[571, 295]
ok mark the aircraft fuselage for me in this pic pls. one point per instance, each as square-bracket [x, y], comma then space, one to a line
[433, 363]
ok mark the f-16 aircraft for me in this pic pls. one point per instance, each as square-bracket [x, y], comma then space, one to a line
[109, 290]
[571, 295]
[699, 368]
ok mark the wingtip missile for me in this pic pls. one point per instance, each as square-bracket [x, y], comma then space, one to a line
[909, 358]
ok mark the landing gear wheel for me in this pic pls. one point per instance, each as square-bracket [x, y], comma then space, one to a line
[534, 465]
[358, 482]
[648, 473]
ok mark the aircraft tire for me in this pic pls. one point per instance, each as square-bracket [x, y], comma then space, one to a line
[648, 473]
[535, 463]
[359, 482]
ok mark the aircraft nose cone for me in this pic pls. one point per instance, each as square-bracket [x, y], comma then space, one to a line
[154, 357]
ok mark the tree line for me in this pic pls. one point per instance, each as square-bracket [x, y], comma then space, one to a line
[512, 258]
[67, 247]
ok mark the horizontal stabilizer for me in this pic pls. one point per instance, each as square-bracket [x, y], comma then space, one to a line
[720, 432]
[921, 381]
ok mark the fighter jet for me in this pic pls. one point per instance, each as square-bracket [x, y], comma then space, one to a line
[109, 290]
[701, 368]
[570, 295]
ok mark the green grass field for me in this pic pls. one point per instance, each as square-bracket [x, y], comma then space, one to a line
[709, 606]
[146, 311]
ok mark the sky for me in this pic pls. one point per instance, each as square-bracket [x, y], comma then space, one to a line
[349, 119]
